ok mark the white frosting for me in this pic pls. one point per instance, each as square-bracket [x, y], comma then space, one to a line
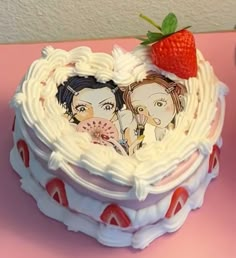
[84, 212]
[68, 147]
[127, 68]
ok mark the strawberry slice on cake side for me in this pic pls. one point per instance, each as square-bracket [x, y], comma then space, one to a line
[114, 215]
[56, 189]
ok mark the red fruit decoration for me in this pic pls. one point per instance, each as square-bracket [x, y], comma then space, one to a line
[179, 198]
[115, 216]
[172, 51]
[23, 151]
[214, 158]
[56, 189]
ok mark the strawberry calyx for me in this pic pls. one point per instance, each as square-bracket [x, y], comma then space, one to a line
[167, 28]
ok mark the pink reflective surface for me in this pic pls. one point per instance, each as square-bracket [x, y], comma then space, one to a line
[207, 233]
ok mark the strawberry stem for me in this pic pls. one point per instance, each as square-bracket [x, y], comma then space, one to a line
[150, 21]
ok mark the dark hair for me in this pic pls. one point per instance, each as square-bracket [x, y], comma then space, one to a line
[75, 84]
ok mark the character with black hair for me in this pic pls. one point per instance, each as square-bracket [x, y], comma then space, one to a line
[85, 98]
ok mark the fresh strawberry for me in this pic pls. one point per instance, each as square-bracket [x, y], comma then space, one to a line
[214, 158]
[23, 151]
[114, 215]
[176, 54]
[178, 200]
[56, 189]
[172, 51]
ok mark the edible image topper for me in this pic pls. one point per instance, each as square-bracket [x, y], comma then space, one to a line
[156, 100]
[97, 108]
[125, 119]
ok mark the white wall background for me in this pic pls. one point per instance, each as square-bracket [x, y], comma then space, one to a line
[57, 20]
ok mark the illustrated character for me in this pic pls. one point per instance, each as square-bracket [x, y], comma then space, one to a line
[84, 98]
[155, 101]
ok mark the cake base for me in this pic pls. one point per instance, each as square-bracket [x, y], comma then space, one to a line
[105, 234]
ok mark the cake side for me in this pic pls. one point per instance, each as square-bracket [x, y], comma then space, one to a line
[124, 226]
[135, 230]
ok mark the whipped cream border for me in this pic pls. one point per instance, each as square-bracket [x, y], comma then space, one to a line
[148, 165]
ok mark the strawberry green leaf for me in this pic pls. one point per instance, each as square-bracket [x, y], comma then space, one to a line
[146, 42]
[140, 38]
[154, 36]
[150, 40]
[187, 27]
[169, 24]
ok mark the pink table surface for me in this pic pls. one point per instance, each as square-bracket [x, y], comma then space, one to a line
[208, 232]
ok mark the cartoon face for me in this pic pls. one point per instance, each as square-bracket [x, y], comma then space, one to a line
[154, 102]
[94, 103]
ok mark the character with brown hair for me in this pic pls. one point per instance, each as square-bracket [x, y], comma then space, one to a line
[155, 101]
